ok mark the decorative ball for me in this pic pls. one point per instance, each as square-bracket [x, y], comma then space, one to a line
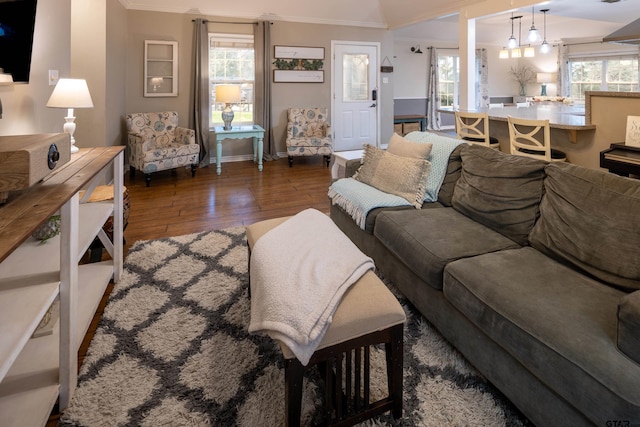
[49, 229]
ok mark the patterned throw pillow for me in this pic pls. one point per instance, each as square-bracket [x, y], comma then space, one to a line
[405, 177]
[402, 147]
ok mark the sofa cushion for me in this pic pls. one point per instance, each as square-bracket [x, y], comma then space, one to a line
[629, 325]
[402, 176]
[401, 147]
[454, 169]
[560, 324]
[428, 239]
[499, 190]
[590, 218]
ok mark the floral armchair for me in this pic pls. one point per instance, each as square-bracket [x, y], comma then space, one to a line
[157, 143]
[308, 133]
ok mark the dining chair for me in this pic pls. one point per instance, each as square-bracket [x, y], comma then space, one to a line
[532, 138]
[474, 127]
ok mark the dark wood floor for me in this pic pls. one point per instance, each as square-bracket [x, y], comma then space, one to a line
[177, 204]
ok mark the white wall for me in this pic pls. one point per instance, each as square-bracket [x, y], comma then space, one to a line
[411, 70]
[24, 110]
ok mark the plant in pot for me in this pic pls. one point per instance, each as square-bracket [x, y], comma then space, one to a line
[523, 75]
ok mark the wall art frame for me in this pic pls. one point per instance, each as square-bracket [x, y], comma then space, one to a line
[298, 52]
[298, 76]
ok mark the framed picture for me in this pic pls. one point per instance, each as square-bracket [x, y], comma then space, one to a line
[298, 76]
[298, 52]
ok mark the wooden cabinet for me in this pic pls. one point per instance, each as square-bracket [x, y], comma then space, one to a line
[34, 372]
[160, 68]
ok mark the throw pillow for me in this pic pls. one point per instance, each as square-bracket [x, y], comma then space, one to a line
[499, 190]
[401, 147]
[589, 218]
[402, 176]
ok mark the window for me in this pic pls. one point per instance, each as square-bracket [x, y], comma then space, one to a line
[615, 74]
[449, 80]
[232, 61]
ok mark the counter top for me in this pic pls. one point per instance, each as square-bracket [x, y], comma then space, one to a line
[560, 116]
[571, 118]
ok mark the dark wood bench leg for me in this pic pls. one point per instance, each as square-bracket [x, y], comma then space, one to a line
[193, 170]
[147, 179]
[293, 375]
[395, 356]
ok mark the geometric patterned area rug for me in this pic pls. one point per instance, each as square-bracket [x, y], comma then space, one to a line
[172, 349]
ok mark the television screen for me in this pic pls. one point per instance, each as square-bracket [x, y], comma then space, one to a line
[17, 21]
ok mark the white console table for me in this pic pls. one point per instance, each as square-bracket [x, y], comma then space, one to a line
[240, 132]
[34, 372]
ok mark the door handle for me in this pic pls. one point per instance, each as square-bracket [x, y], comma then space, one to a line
[372, 105]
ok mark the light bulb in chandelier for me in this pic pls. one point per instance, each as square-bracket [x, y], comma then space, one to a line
[544, 47]
[534, 35]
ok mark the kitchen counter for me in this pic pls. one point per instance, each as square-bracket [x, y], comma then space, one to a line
[571, 118]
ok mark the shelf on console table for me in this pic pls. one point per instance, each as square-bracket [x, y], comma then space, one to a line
[35, 371]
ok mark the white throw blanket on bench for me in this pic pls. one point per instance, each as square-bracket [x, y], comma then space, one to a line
[299, 272]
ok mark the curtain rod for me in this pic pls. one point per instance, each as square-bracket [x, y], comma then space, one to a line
[435, 47]
[226, 22]
[579, 43]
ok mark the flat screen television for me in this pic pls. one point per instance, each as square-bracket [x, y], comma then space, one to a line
[17, 22]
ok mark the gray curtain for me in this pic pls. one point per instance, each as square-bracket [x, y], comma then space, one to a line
[262, 89]
[482, 80]
[563, 70]
[433, 117]
[199, 115]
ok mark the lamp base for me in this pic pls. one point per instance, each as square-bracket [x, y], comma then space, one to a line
[70, 127]
[227, 117]
[543, 91]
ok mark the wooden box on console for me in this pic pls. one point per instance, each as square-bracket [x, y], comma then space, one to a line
[27, 159]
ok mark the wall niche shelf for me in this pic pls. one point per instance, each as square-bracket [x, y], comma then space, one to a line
[160, 68]
[37, 371]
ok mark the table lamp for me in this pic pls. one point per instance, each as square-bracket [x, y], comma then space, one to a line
[544, 78]
[70, 94]
[229, 94]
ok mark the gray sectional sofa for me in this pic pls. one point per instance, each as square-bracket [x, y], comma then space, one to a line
[532, 271]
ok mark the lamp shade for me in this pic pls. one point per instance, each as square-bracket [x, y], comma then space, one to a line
[228, 93]
[70, 93]
[545, 77]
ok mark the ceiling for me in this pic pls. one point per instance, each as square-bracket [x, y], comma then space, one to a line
[433, 20]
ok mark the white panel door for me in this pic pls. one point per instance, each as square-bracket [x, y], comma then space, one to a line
[355, 86]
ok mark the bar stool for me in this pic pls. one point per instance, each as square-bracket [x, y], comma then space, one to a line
[532, 138]
[474, 127]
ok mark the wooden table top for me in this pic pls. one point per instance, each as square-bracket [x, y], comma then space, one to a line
[26, 210]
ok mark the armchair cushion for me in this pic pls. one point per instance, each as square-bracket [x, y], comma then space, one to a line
[308, 132]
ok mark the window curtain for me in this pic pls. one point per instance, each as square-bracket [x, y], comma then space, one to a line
[563, 70]
[262, 92]
[482, 80]
[433, 117]
[199, 117]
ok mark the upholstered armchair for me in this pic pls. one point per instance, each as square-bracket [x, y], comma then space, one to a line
[157, 143]
[308, 133]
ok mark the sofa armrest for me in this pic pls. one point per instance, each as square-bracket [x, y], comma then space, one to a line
[628, 339]
[184, 136]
